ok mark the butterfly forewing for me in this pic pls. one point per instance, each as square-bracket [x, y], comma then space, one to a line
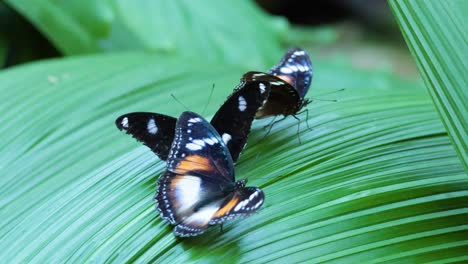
[233, 121]
[296, 69]
[199, 149]
[154, 130]
[234, 118]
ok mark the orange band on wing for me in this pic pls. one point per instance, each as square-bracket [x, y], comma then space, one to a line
[227, 207]
[286, 78]
[193, 163]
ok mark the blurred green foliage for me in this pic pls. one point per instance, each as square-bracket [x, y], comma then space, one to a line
[213, 31]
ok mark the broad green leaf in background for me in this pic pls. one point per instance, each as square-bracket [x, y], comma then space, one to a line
[375, 179]
[199, 30]
[437, 34]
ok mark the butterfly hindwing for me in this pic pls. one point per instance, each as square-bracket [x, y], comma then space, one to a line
[180, 195]
[234, 118]
[240, 203]
[193, 205]
[290, 80]
[283, 99]
[154, 130]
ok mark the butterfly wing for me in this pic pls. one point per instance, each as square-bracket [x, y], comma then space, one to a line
[296, 69]
[180, 195]
[199, 149]
[199, 172]
[154, 130]
[179, 199]
[240, 203]
[233, 119]
[283, 98]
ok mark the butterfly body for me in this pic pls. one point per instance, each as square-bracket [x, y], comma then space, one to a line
[198, 189]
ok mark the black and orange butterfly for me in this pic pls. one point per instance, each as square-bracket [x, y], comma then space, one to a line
[233, 121]
[290, 81]
[198, 189]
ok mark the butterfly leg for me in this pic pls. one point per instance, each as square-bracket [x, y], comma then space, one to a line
[298, 128]
[307, 117]
[271, 126]
[221, 227]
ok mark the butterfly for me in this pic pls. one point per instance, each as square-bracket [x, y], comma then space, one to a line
[198, 189]
[233, 121]
[290, 81]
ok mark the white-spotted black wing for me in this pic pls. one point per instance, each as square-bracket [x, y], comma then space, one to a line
[154, 130]
[234, 118]
[233, 121]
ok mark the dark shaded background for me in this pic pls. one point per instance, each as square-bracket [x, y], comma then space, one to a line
[371, 14]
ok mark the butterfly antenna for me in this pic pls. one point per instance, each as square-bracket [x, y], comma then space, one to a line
[328, 100]
[177, 100]
[336, 91]
[209, 99]
[324, 100]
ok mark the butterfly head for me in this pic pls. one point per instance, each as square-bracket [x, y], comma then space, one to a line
[241, 183]
[305, 102]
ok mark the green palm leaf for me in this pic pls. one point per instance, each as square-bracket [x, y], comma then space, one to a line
[375, 179]
[436, 33]
[197, 30]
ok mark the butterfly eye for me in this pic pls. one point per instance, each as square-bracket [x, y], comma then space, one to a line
[241, 183]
